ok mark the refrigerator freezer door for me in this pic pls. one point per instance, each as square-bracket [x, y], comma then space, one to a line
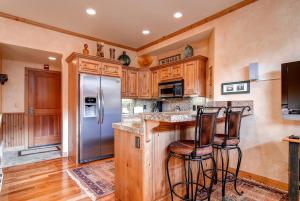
[110, 111]
[89, 146]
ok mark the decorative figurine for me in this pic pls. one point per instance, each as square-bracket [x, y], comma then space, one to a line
[85, 50]
[124, 59]
[100, 52]
[112, 53]
[188, 51]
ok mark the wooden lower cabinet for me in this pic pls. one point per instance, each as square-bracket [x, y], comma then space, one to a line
[154, 83]
[128, 167]
[141, 170]
[144, 83]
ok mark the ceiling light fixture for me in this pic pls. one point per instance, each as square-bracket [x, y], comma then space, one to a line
[90, 11]
[146, 32]
[178, 15]
[52, 58]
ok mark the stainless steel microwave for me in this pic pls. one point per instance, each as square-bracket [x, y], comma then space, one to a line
[171, 89]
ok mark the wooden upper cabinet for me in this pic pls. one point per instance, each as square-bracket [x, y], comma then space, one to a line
[176, 71]
[89, 66]
[191, 78]
[111, 69]
[154, 83]
[164, 73]
[195, 78]
[171, 73]
[132, 83]
[144, 83]
[124, 83]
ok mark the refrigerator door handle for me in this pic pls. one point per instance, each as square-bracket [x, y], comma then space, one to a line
[98, 108]
[102, 106]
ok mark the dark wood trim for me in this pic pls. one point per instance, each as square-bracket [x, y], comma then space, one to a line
[199, 23]
[263, 180]
[57, 29]
[180, 31]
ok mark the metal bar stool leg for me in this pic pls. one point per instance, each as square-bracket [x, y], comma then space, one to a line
[226, 172]
[168, 174]
[216, 161]
[223, 180]
[197, 181]
[213, 177]
[240, 154]
[191, 181]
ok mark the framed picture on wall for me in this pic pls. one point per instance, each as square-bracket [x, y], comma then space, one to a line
[241, 87]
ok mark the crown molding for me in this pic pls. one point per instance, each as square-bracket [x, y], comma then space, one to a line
[199, 23]
[57, 29]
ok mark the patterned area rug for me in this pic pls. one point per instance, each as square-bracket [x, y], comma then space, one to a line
[252, 191]
[97, 180]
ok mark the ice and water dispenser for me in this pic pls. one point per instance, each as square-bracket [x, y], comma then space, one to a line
[90, 107]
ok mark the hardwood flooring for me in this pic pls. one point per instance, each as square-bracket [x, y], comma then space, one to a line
[43, 181]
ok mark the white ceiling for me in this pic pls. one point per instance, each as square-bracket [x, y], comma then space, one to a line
[18, 53]
[119, 21]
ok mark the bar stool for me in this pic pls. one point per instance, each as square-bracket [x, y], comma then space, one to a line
[229, 141]
[198, 150]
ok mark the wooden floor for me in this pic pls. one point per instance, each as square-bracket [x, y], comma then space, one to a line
[43, 181]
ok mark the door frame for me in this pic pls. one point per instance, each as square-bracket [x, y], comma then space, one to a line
[26, 105]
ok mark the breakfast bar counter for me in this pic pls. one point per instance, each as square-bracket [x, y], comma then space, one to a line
[141, 154]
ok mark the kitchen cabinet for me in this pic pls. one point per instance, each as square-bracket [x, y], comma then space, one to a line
[132, 83]
[194, 78]
[144, 84]
[154, 83]
[89, 66]
[111, 70]
[171, 73]
[124, 83]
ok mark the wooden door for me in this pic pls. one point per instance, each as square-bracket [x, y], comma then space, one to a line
[155, 81]
[44, 107]
[191, 78]
[111, 69]
[132, 83]
[144, 84]
[89, 66]
[124, 83]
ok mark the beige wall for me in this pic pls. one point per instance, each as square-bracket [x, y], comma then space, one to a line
[14, 90]
[21, 34]
[266, 32]
[0, 85]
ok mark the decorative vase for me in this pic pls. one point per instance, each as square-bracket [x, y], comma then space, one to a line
[188, 51]
[124, 59]
[85, 50]
[112, 53]
[100, 52]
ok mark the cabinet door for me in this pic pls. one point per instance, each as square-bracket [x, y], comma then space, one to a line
[165, 73]
[132, 83]
[155, 81]
[177, 71]
[124, 83]
[89, 66]
[144, 84]
[111, 69]
[191, 78]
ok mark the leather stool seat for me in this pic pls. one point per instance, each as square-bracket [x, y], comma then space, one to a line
[186, 147]
[221, 141]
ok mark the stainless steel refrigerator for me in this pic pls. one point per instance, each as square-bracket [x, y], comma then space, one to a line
[100, 106]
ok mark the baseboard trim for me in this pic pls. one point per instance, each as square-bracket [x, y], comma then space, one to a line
[263, 180]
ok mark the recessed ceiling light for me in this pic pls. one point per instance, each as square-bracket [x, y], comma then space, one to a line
[178, 15]
[52, 58]
[146, 32]
[90, 11]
